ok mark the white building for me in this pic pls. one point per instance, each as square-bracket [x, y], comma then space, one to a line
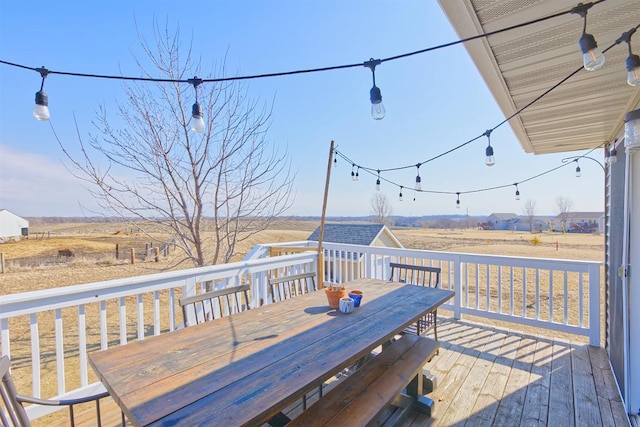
[12, 226]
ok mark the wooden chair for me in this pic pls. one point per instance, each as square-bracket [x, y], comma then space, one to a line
[216, 304]
[12, 412]
[421, 276]
[282, 288]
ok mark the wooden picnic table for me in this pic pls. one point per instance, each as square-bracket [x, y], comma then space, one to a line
[245, 368]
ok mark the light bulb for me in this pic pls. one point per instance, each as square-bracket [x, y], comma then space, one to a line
[378, 185]
[197, 122]
[490, 160]
[633, 70]
[592, 57]
[517, 194]
[458, 204]
[400, 196]
[377, 109]
[335, 162]
[418, 183]
[578, 172]
[357, 176]
[613, 156]
[353, 176]
[41, 110]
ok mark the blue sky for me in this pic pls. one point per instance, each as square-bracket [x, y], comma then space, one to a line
[434, 101]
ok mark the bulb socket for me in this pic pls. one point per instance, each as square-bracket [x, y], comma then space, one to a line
[489, 151]
[375, 95]
[633, 62]
[196, 110]
[587, 42]
[42, 98]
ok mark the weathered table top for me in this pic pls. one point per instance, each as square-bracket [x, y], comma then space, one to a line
[245, 368]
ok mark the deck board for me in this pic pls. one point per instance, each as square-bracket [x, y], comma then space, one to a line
[493, 375]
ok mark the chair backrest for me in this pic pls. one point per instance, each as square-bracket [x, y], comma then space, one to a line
[286, 287]
[415, 274]
[212, 305]
[11, 411]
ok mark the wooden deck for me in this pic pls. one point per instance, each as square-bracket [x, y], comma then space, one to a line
[493, 376]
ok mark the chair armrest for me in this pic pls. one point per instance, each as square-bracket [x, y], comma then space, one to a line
[63, 402]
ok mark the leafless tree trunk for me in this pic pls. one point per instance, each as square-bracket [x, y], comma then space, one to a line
[380, 208]
[207, 191]
[564, 205]
[529, 211]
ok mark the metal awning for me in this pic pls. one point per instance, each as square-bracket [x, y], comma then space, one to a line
[521, 64]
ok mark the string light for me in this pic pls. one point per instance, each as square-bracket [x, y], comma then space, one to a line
[197, 122]
[633, 61]
[353, 174]
[613, 154]
[377, 109]
[41, 110]
[418, 186]
[517, 191]
[335, 162]
[490, 160]
[578, 172]
[378, 182]
[400, 195]
[458, 201]
[592, 57]
[587, 42]
[358, 174]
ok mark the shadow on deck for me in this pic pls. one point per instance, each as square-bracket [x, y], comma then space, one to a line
[494, 376]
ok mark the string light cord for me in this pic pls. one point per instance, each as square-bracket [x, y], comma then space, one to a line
[302, 71]
[506, 120]
[496, 187]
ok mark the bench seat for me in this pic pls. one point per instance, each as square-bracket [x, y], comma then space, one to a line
[366, 394]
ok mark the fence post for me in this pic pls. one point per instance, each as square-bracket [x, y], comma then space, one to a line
[457, 286]
[157, 253]
[117, 251]
[133, 256]
[594, 305]
[2, 262]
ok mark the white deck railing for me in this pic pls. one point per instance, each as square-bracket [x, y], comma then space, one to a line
[559, 295]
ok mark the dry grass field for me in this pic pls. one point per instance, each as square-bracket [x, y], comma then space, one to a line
[34, 264]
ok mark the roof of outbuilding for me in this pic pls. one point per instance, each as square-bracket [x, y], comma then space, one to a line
[354, 234]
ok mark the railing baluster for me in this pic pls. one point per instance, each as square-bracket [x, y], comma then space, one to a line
[156, 313]
[35, 353]
[82, 345]
[123, 321]
[59, 334]
[140, 316]
[104, 342]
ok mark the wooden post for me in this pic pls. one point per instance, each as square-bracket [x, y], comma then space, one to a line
[133, 256]
[322, 220]
[2, 262]
[117, 251]
[157, 253]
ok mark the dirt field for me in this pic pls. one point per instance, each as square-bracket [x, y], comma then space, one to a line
[34, 264]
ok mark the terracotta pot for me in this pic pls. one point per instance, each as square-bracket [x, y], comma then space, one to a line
[334, 295]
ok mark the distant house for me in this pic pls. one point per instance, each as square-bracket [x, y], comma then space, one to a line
[354, 234]
[503, 221]
[579, 222]
[12, 226]
[358, 234]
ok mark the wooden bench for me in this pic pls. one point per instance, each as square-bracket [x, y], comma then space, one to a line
[369, 392]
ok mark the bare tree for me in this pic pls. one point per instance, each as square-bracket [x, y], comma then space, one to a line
[380, 208]
[564, 206]
[207, 192]
[529, 211]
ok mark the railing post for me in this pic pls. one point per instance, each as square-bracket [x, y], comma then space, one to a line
[594, 305]
[457, 287]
